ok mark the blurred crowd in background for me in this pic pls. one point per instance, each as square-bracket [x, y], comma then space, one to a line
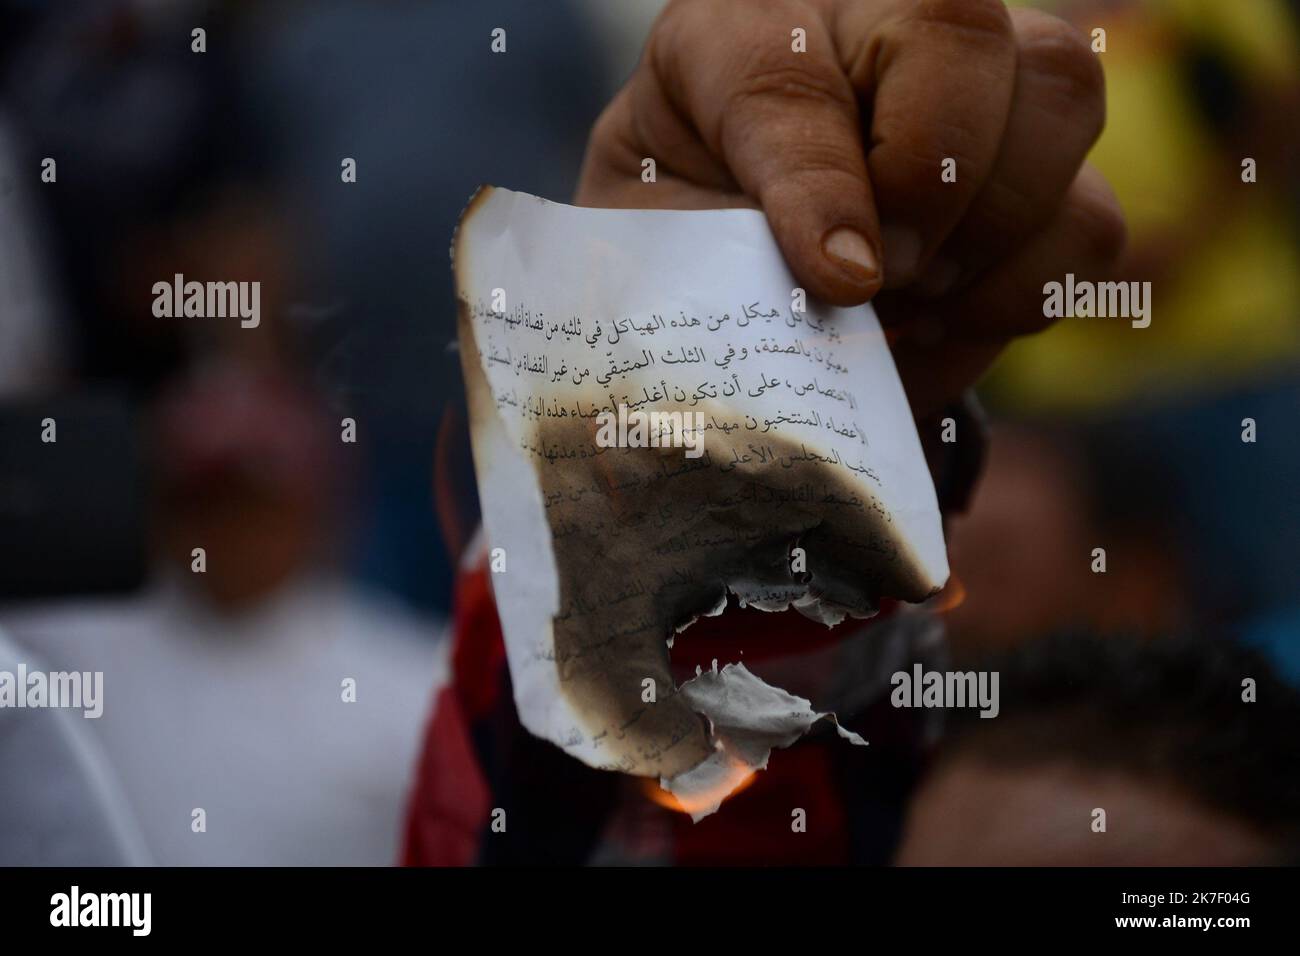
[329, 559]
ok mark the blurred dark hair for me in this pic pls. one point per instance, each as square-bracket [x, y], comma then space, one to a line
[1167, 710]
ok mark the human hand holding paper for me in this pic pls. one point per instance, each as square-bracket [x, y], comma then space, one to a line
[852, 138]
[962, 198]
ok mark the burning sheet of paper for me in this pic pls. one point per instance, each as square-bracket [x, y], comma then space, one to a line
[660, 420]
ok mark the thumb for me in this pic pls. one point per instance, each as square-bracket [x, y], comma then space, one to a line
[786, 125]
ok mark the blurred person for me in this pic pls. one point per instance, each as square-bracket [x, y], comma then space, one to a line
[426, 118]
[954, 271]
[1024, 551]
[226, 164]
[231, 680]
[1197, 91]
[1198, 526]
[1157, 734]
[1230, 468]
[159, 169]
[252, 683]
[246, 469]
[167, 165]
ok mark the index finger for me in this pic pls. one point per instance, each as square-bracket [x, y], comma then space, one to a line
[938, 76]
[775, 106]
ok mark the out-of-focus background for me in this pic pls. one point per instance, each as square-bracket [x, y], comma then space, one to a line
[1131, 439]
[330, 560]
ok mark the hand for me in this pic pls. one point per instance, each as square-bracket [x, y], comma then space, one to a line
[843, 146]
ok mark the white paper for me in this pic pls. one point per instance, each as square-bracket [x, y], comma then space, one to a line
[748, 718]
[602, 554]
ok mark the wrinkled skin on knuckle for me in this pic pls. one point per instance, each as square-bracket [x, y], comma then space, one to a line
[980, 22]
[768, 84]
[1055, 51]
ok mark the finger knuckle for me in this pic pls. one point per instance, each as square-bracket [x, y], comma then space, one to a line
[677, 14]
[609, 124]
[819, 158]
[770, 80]
[983, 21]
[769, 90]
[1099, 222]
[1009, 207]
[1055, 51]
[916, 152]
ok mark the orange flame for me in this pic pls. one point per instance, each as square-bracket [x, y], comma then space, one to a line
[950, 598]
[738, 779]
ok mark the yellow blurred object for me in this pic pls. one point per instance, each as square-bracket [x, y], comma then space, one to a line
[1221, 253]
[1259, 35]
[1228, 313]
